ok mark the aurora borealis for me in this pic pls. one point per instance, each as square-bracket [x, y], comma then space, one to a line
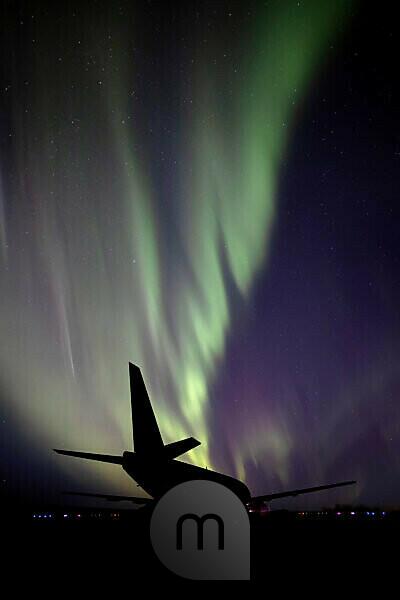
[175, 192]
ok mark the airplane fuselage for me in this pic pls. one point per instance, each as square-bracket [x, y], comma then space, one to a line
[156, 475]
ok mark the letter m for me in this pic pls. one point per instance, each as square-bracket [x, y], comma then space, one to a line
[200, 529]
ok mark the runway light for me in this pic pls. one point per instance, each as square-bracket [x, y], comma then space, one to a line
[352, 513]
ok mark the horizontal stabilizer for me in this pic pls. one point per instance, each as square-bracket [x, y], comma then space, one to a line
[268, 497]
[112, 498]
[116, 460]
[177, 448]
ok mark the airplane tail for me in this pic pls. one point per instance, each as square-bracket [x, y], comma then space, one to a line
[147, 440]
[146, 434]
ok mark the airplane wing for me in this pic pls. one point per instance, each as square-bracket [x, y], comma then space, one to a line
[116, 460]
[113, 498]
[268, 497]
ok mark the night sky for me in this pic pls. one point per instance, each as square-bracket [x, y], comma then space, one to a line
[208, 190]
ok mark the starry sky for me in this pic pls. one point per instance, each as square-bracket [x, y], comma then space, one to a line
[208, 190]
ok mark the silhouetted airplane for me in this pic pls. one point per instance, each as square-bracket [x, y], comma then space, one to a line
[153, 466]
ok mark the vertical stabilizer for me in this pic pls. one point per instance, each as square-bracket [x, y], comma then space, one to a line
[146, 434]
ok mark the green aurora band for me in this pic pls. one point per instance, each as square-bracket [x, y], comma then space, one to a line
[120, 282]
